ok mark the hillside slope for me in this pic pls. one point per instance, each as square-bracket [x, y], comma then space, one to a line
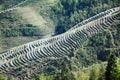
[44, 18]
[31, 13]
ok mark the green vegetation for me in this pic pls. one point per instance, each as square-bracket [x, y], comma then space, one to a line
[65, 73]
[2, 77]
[94, 72]
[113, 68]
[86, 63]
[71, 12]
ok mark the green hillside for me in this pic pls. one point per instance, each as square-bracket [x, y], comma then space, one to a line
[30, 22]
[36, 19]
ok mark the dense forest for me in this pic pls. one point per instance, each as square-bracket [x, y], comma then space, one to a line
[97, 59]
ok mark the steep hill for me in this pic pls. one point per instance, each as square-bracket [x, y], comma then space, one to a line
[36, 19]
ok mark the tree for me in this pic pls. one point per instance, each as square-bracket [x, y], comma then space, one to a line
[42, 77]
[112, 69]
[117, 69]
[65, 73]
[95, 72]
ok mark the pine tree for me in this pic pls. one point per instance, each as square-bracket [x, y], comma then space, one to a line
[111, 68]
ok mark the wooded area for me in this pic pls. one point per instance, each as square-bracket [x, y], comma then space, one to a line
[88, 62]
